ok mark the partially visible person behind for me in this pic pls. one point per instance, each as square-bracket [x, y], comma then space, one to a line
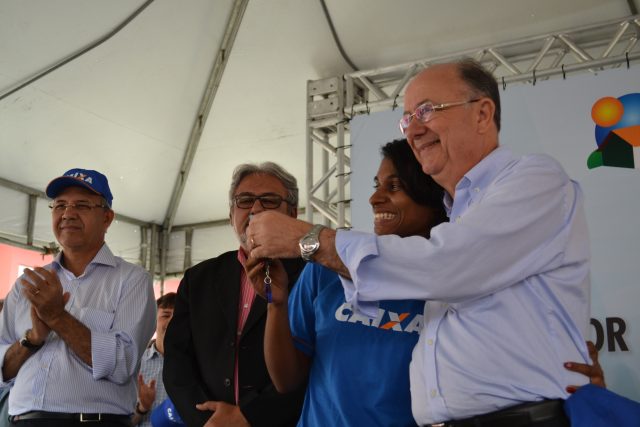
[214, 369]
[72, 333]
[151, 392]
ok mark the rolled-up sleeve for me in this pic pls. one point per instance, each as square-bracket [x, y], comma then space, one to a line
[118, 339]
[8, 334]
[360, 247]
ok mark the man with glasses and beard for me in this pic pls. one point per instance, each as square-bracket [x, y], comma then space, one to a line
[214, 369]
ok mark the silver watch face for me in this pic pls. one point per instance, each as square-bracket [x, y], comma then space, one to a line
[309, 243]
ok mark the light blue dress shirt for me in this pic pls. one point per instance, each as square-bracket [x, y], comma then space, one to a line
[506, 283]
[115, 300]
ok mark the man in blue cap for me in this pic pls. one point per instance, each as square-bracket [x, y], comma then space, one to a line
[72, 333]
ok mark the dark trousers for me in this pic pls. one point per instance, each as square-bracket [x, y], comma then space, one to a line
[65, 423]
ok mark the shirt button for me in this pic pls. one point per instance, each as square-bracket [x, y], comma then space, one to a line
[239, 333]
[434, 393]
[458, 218]
[227, 382]
[476, 190]
[246, 306]
[430, 341]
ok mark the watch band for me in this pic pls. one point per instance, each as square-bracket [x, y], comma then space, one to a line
[138, 411]
[24, 342]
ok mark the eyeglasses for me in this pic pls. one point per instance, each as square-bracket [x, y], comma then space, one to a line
[423, 112]
[80, 207]
[267, 201]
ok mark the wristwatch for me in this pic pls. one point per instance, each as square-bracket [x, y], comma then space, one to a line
[24, 341]
[138, 411]
[310, 243]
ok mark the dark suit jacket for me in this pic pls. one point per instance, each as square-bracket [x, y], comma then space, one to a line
[200, 347]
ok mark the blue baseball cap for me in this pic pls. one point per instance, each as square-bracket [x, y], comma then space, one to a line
[166, 415]
[92, 180]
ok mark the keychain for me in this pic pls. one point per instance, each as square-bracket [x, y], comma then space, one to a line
[267, 281]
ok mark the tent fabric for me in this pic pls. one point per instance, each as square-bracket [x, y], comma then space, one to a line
[126, 108]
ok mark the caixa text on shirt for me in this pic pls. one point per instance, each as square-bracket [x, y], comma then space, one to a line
[386, 319]
[613, 329]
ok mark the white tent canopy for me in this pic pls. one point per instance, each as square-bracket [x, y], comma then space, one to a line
[135, 106]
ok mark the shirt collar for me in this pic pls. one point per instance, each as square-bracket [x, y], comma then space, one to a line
[242, 257]
[104, 257]
[481, 175]
[152, 353]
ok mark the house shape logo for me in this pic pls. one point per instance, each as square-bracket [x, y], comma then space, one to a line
[617, 132]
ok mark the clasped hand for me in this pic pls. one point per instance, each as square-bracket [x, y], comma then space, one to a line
[45, 293]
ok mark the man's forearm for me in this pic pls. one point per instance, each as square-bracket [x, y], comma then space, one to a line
[75, 334]
[14, 358]
[327, 255]
[275, 235]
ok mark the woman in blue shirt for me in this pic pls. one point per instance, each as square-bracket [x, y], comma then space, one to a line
[357, 368]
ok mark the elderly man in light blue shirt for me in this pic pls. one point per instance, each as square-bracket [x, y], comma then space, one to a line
[506, 281]
[72, 333]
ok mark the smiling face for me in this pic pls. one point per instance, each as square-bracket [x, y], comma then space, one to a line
[257, 184]
[453, 140]
[394, 211]
[80, 231]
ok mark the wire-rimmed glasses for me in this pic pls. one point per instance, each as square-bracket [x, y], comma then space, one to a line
[79, 206]
[424, 112]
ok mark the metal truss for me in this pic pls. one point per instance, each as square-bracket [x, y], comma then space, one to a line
[331, 103]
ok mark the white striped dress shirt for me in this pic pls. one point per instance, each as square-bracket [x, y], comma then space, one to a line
[115, 300]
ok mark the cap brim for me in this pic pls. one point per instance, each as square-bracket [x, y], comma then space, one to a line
[57, 185]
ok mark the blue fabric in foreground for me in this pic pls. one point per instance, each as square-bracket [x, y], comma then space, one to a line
[593, 406]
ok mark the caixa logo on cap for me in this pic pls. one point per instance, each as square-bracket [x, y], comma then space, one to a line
[617, 132]
[82, 176]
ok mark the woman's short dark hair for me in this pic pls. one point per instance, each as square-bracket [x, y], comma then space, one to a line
[420, 187]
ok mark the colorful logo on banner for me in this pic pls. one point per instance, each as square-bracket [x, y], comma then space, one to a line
[617, 132]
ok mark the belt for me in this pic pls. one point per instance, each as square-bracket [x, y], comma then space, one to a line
[82, 417]
[526, 414]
